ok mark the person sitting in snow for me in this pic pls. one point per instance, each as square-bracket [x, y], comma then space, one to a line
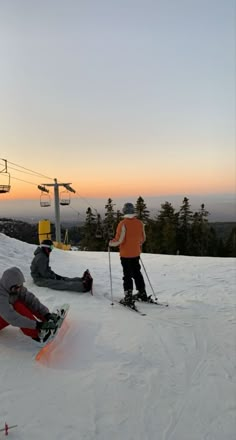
[21, 308]
[130, 235]
[44, 276]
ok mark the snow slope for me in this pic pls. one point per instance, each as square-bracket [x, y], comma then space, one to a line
[117, 375]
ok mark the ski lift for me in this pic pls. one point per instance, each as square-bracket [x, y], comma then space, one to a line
[45, 200]
[64, 198]
[5, 188]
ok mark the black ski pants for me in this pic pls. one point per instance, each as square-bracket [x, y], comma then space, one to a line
[132, 270]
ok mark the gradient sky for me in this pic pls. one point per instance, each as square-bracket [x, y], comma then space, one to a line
[119, 98]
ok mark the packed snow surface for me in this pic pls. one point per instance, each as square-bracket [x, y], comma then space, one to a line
[115, 375]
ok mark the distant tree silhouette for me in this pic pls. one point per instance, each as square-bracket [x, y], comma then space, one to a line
[109, 221]
[184, 228]
[141, 210]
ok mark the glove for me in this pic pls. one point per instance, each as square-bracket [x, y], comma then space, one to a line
[47, 325]
[51, 317]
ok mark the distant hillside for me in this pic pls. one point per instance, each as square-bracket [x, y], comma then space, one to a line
[20, 230]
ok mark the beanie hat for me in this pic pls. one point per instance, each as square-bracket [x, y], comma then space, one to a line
[47, 244]
[128, 208]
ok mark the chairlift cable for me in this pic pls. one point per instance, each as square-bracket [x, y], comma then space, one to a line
[21, 171]
[87, 201]
[25, 181]
[27, 169]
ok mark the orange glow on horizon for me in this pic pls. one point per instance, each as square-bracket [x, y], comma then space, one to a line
[127, 189]
[149, 179]
[92, 186]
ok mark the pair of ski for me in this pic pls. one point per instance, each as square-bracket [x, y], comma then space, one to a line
[134, 308]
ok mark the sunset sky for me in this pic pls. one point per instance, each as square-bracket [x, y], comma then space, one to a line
[120, 98]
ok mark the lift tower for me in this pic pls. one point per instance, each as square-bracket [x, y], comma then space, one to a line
[56, 186]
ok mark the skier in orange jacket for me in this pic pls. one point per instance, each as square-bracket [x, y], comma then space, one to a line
[130, 235]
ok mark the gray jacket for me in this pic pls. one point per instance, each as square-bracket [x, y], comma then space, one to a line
[40, 266]
[11, 277]
[44, 276]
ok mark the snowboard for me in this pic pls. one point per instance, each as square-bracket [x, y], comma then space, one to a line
[62, 312]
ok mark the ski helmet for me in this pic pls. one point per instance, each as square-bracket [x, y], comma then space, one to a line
[128, 208]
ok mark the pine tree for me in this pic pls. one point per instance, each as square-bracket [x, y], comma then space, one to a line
[200, 232]
[167, 221]
[184, 229]
[231, 244]
[88, 240]
[142, 214]
[118, 218]
[99, 232]
[216, 246]
[109, 220]
[152, 244]
[141, 210]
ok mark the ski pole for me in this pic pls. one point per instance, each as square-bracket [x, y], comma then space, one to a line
[148, 279]
[6, 428]
[109, 257]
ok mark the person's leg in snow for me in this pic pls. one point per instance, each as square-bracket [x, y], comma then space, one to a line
[79, 285]
[127, 265]
[127, 274]
[24, 311]
[141, 295]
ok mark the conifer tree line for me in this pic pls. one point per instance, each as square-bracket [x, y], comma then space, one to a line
[182, 232]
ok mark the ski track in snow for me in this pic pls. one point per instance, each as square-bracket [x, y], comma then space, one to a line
[169, 375]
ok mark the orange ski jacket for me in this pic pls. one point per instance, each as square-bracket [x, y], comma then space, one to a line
[130, 235]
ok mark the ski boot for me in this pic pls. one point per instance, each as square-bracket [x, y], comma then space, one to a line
[46, 329]
[44, 335]
[87, 281]
[141, 296]
[128, 300]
